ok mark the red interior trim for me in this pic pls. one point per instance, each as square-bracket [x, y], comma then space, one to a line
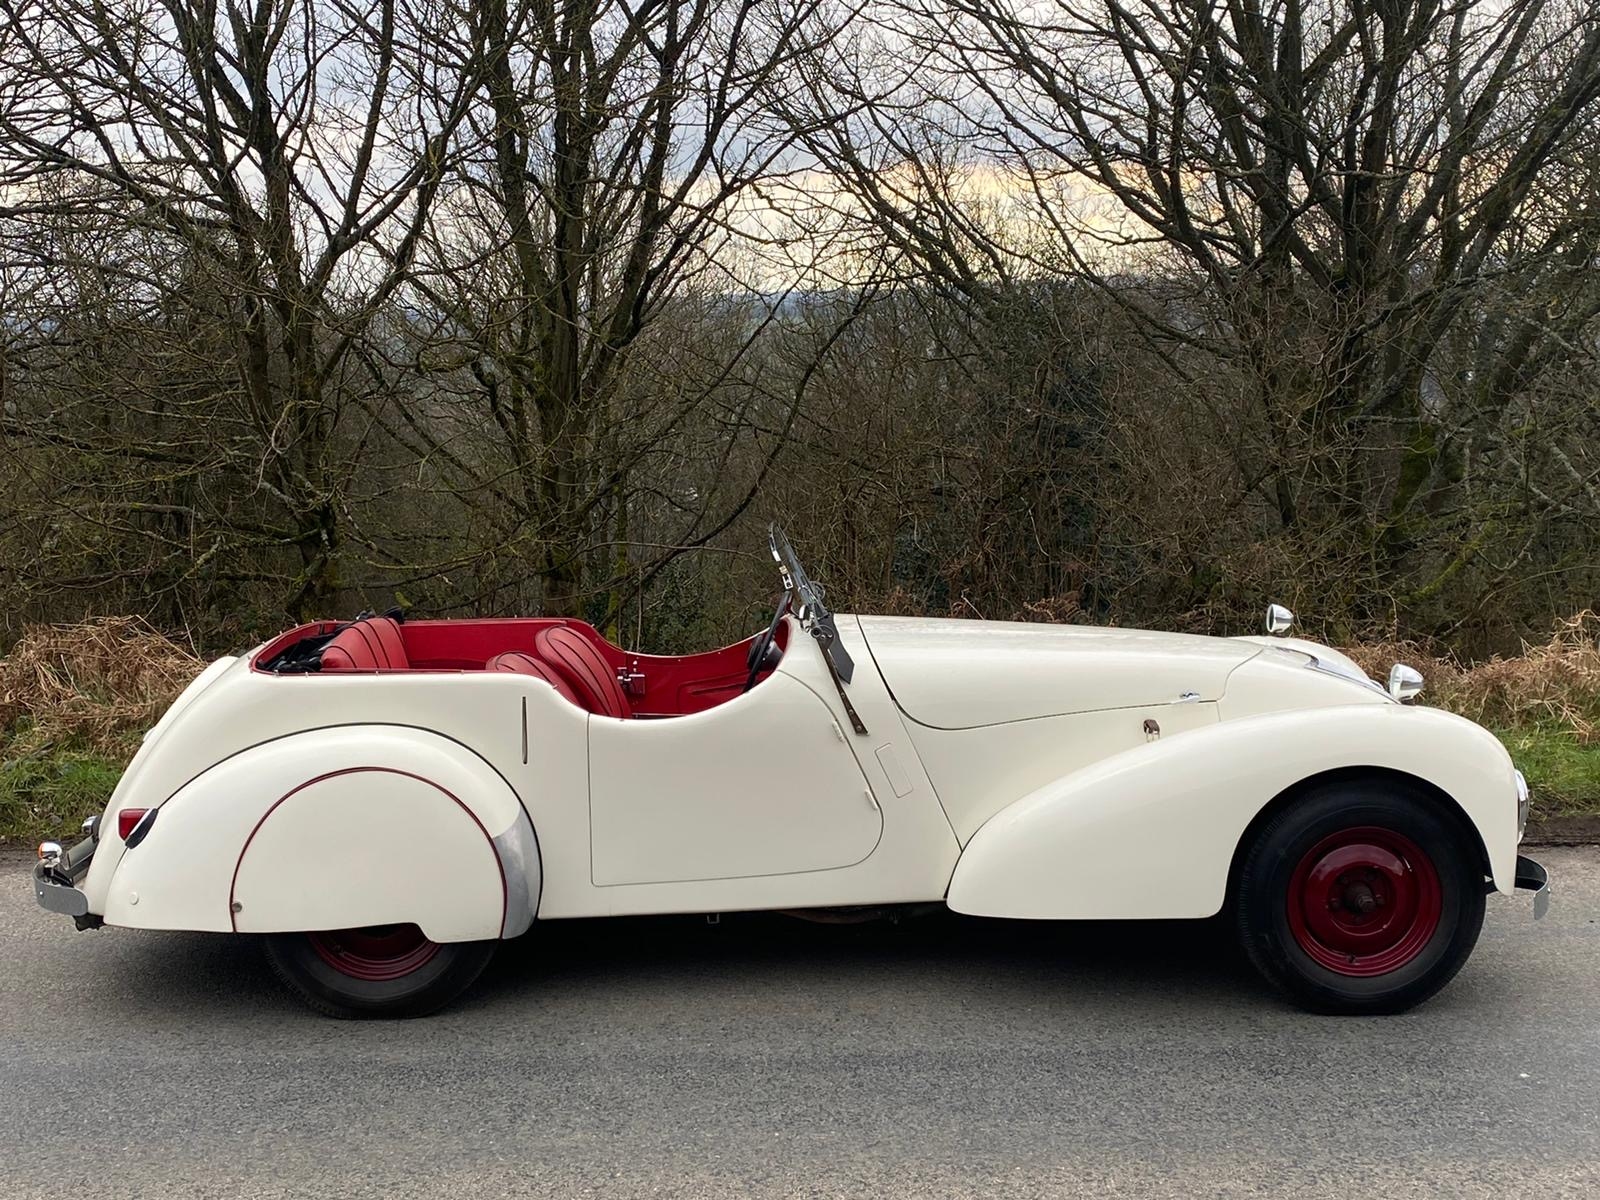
[690, 683]
[672, 685]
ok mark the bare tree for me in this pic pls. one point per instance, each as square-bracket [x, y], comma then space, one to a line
[1139, 308]
[286, 155]
[1308, 207]
[611, 188]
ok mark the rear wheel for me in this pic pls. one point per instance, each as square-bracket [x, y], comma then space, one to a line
[378, 971]
[1360, 898]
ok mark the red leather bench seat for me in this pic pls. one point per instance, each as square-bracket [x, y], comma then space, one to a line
[576, 659]
[373, 644]
[527, 664]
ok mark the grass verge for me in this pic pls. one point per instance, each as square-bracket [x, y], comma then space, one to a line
[48, 794]
[1563, 775]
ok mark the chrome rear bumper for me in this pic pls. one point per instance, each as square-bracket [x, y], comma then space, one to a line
[56, 876]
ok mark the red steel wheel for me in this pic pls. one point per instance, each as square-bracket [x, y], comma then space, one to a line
[1364, 901]
[376, 953]
[376, 971]
[1360, 894]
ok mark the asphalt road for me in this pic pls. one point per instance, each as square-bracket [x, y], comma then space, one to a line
[764, 1057]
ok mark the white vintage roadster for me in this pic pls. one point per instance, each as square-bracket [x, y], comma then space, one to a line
[385, 801]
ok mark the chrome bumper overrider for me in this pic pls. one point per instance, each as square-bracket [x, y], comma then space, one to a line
[1533, 877]
[55, 879]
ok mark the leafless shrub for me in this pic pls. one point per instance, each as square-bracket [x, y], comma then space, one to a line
[99, 683]
[1557, 681]
[1052, 610]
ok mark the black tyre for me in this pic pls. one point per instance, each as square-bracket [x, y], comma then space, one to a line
[379, 971]
[1360, 897]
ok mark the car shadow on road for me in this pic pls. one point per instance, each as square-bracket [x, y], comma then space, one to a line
[1152, 972]
[941, 950]
[940, 957]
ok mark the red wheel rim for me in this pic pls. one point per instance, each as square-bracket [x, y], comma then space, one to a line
[1364, 901]
[376, 953]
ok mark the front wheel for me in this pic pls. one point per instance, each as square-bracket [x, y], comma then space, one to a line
[1360, 898]
[378, 971]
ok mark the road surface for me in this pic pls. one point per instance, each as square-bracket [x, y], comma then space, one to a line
[667, 1057]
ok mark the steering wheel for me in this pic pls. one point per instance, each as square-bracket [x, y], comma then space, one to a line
[759, 648]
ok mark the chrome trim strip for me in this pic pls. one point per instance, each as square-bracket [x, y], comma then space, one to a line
[1338, 672]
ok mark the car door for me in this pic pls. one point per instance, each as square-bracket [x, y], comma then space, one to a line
[765, 784]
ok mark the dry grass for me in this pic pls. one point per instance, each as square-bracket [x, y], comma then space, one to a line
[97, 685]
[1554, 685]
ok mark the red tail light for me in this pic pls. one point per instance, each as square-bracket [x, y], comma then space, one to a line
[127, 819]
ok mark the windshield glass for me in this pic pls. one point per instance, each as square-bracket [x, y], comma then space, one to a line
[807, 595]
[808, 606]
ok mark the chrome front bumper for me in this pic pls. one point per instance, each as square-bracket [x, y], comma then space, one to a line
[1534, 878]
[56, 876]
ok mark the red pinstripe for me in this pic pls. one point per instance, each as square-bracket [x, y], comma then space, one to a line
[498, 865]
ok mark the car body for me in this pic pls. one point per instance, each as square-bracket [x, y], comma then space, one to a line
[378, 790]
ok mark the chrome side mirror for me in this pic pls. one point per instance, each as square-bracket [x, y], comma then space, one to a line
[1404, 682]
[1279, 619]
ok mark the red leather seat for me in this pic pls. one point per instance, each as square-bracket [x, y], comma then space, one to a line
[527, 664]
[576, 660]
[371, 645]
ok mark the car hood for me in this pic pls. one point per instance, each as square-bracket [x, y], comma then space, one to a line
[954, 674]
